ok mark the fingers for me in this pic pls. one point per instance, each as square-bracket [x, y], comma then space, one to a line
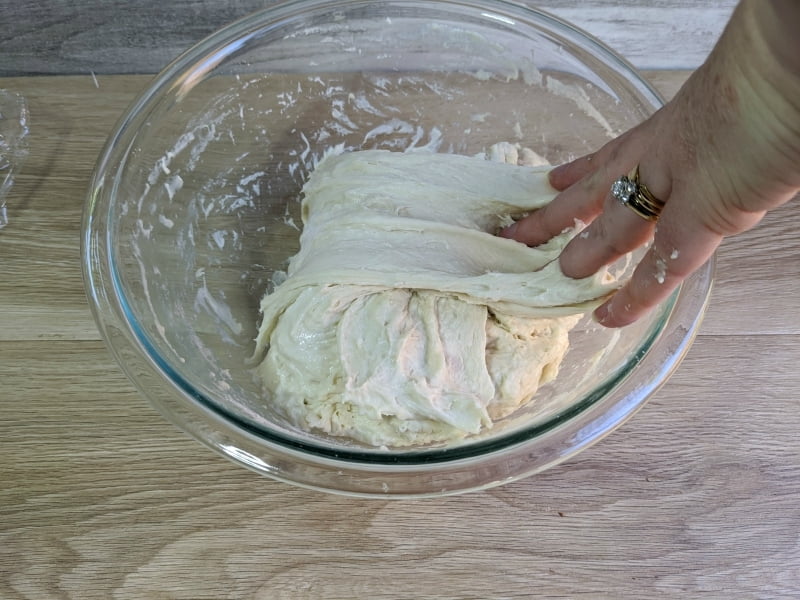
[682, 241]
[578, 202]
[617, 231]
[614, 152]
[585, 183]
[681, 245]
[563, 176]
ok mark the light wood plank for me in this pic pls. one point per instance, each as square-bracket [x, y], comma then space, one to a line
[82, 36]
[40, 248]
[697, 494]
[41, 290]
[651, 35]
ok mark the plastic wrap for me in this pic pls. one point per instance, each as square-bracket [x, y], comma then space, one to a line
[13, 144]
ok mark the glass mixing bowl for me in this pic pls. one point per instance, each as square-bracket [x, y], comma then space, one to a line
[194, 206]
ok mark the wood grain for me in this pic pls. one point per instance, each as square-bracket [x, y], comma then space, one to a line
[696, 495]
[68, 130]
[60, 37]
[101, 498]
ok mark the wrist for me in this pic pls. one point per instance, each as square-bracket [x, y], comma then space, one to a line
[763, 46]
[761, 56]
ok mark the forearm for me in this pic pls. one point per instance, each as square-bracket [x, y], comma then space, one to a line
[766, 44]
[778, 22]
[741, 109]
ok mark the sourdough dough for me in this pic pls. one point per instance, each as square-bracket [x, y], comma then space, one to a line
[403, 319]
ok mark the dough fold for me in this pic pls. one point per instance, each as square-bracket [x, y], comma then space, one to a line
[403, 319]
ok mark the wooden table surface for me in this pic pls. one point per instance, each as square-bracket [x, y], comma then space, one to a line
[697, 496]
[57, 37]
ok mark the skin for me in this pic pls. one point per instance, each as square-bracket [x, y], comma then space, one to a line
[724, 151]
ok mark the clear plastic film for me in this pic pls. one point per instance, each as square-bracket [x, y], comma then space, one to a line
[13, 144]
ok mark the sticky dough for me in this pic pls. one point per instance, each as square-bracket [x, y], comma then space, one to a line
[404, 320]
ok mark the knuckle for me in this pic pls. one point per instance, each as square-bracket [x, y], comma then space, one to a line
[612, 241]
[615, 154]
[548, 220]
[725, 218]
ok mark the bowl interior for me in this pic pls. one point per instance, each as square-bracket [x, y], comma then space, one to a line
[204, 190]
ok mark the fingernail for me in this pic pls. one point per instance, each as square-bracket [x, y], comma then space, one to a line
[509, 231]
[601, 314]
[556, 171]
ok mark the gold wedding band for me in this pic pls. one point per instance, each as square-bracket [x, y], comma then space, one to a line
[631, 192]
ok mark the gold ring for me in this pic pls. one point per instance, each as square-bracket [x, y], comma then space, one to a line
[631, 192]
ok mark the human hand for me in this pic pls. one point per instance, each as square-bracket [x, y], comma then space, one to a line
[724, 151]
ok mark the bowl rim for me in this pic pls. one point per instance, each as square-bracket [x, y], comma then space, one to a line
[249, 444]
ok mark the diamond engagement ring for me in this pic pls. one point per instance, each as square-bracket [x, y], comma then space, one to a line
[634, 194]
